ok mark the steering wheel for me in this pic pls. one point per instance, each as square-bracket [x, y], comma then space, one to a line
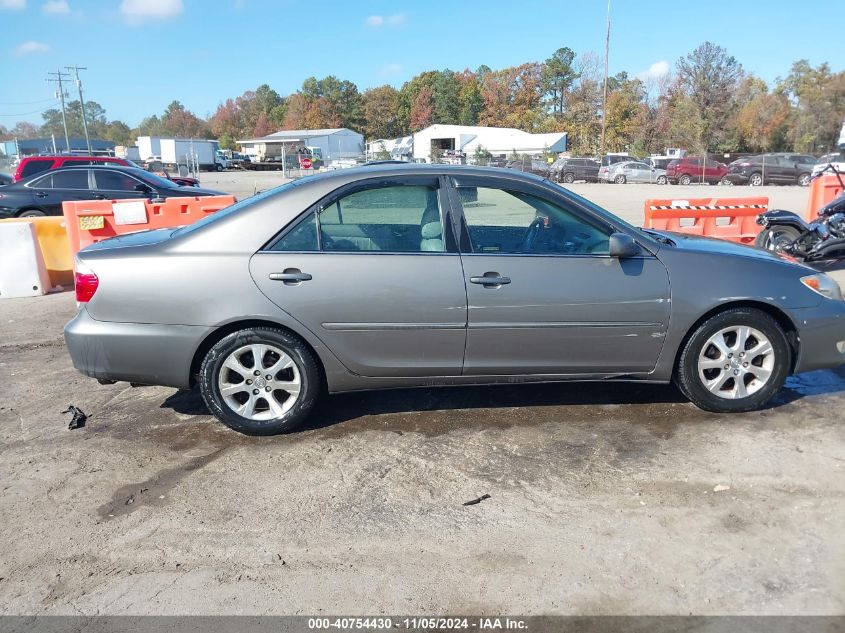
[531, 234]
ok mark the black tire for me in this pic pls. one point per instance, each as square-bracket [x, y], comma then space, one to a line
[687, 375]
[661, 180]
[218, 167]
[725, 182]
[755, 180]
[769, 238]
[32, 213]
[298, 351]
[620, 179]
[804, 179]
[684, 180]
[569, 177]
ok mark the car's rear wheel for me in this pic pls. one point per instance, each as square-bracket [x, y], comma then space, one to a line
[804, 180]
[260, 381]
[755, 180]
[684, 179]
[726, 182]
[619, 180]
[735, 361]
[569, 177]
[32, 213]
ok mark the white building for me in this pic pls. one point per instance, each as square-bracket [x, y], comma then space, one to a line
[332, 143]
[496, 140]
[399, 148]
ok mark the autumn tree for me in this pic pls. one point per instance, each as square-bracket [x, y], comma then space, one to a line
[818, 97]
[422, 109]
[707, 78]
[381, 112]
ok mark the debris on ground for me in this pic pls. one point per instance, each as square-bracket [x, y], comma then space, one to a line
[721, 488]
[78, 419]
[475, 501]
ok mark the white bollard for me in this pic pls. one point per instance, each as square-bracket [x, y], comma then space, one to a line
[22, 269]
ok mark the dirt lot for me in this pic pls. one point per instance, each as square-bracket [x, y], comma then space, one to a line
[611, 499]
[604, 499]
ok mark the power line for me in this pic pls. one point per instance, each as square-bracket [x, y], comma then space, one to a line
[52, 105]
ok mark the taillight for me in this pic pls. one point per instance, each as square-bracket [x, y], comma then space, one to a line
[85, 282]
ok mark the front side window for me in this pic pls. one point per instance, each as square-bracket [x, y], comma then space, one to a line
[511, 222]
[114, 180]
[398, 219]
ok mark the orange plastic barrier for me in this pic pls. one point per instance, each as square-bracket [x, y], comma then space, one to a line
[90, 221]
[52, 239]
[822, 191]
[732, 219]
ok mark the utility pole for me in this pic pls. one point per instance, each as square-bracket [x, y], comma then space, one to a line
[76, 70]
[58, 77]
[604, 100]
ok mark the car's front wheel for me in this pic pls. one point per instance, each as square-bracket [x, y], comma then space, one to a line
[684, 179]
[260, 381]
[569, 177]
[735, 361]
[661, 180]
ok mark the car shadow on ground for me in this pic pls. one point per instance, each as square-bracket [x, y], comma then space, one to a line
[652, 402]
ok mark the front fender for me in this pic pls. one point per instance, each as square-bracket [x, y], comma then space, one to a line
[779, 217]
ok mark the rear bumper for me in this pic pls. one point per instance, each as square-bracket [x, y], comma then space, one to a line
[151, 354]
[822, 333]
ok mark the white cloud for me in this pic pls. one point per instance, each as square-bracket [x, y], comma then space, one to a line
[390, 70]
[655, 71]
[138, 11]
[377, 21]
[31, 47]
[55, 7]
[13, 5]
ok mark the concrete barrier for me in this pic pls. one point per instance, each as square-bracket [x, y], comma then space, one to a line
[22, 269]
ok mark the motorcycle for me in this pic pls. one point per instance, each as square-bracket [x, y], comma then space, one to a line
[824, 238]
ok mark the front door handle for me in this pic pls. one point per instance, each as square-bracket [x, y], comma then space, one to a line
[490, 279]
[291, 276]
[40, 194]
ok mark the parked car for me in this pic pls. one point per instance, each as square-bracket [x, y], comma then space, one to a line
[531, 166]
[43, 194]
[610, 159]
[572, 169]
[776, 169]
[837, 159]
[31, 165]
[660, 162]
[689, 169]
[634, 171]
[417, 275]
[497, 161]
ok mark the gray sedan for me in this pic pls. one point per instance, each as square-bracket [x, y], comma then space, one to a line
[422, 275]
[635, 171]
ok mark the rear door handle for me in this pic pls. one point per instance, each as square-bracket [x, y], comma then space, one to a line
[291, 275]
[40, 194]
[490, 279]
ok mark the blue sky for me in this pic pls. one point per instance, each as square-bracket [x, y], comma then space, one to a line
[142, 54]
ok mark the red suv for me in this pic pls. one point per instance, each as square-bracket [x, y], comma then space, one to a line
[32, 165]
[689, 169]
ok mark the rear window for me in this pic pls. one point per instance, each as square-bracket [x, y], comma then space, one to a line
[33, 167]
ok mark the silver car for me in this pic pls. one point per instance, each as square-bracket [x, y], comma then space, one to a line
[422, 275]
[635, 171]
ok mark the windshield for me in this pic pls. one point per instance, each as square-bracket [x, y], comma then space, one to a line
[246, 202]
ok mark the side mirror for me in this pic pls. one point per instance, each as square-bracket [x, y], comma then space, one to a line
[142, 188]
[623, 246]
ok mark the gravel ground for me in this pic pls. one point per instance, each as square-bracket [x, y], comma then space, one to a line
[604, 499]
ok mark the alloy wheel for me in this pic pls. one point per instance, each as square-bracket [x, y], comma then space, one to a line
[259, 382]
[736, 362]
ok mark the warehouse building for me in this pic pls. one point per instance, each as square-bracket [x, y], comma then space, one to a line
[469, 138]
[331, 144]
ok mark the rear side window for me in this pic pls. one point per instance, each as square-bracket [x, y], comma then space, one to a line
[399, 219]
[33, 167]
[70, 162]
